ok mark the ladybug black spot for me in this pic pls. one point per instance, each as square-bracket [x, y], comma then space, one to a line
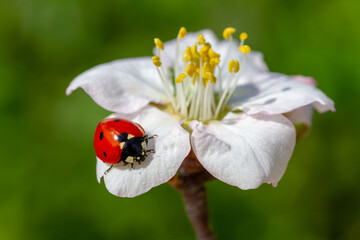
[123, 137]
[104, 154]
[101, 135]
[117, 120]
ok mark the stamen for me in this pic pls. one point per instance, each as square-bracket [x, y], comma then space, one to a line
[194, 51]
[181, 78]
[187, 56]
[200, 39]
[228, 32]
[166, 84]
[243, 36]
[204, 50]
[193, 93]
[182, 33]
[213, 54]
[156, 61]
[214, 61]
[220, 81]
[234, 66]
[159, 44]
[211, 77]
[190, 70]
[245, 49]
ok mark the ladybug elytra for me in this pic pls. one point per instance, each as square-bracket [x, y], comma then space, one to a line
[119, 140]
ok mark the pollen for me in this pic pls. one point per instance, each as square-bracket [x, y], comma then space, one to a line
[182, 32]
[228, 31]
[156, 61]
[243, 36]
[181, 78]
[159, 44]
[245, 49]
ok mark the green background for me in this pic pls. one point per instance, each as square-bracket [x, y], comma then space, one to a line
[48, 186]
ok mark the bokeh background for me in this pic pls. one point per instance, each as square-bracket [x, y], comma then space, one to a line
[48, 185]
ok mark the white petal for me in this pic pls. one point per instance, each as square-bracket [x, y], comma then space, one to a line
[304, 114]
[254, 62]
[301, 115]
[172, 145]
[274, 93]
[123, 86]
[245, 151]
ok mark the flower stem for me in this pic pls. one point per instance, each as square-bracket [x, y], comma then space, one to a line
[190, 183]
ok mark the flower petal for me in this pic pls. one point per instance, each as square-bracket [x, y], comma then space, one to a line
[254, 62]
[123, 86]
[274, 93]
[302, 118]
[301, 115]
[245, 151]
[172, 145]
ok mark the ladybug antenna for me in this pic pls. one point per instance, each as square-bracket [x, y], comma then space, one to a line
[108, 170]
[153, 136]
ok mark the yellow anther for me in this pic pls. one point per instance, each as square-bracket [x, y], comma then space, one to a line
[204, 50]
[214, 61]
[180, 78]
[194, 52]
[211, 77]
[182, 32]
[245, 49]
[243, 36]
[190, 70]
[156, 61]
[206, 68]
[236, 66]
[213, 54]
[228, 31]
[159, 44]
[187, 56]
[200, 39]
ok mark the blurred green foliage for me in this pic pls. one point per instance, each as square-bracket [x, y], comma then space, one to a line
[48, 184]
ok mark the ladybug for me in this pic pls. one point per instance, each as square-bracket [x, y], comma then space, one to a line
[119, 140]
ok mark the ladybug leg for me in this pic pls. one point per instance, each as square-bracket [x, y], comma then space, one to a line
[150, 151]
[108, 170]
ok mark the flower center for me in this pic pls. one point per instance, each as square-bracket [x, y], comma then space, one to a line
[197, 91]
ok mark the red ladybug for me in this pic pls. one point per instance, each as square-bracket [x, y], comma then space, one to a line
[119, 140]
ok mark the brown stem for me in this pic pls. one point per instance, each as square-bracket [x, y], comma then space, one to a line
[190, 182]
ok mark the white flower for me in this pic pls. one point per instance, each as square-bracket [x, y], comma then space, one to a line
[225, 94]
